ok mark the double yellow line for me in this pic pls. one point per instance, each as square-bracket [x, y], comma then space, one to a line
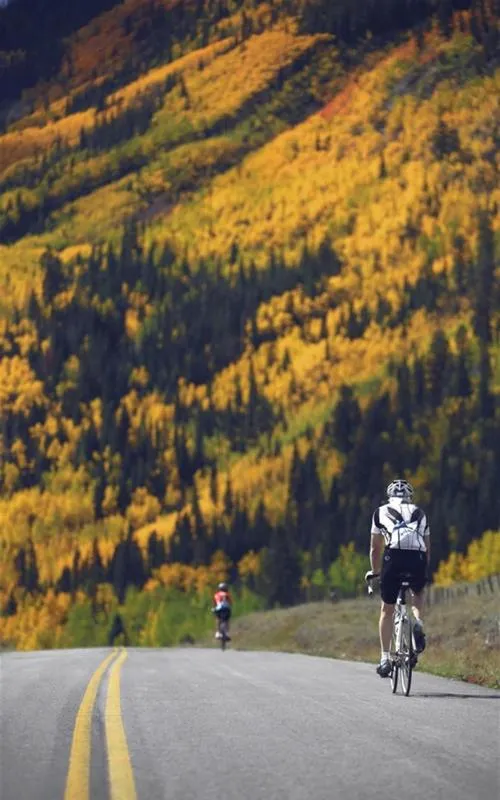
[121, 776]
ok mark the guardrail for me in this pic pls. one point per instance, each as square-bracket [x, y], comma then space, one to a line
[446, 594]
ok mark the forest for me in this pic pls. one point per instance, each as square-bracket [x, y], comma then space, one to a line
[249, 270]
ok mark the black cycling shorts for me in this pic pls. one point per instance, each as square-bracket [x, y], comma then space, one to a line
[223, 614]
[397, 563]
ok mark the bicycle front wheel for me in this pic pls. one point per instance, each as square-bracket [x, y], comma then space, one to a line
[394, 661]
[406, 656]
[394, 677]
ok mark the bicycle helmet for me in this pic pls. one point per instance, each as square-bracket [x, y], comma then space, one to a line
[400, 488]
[222, 587]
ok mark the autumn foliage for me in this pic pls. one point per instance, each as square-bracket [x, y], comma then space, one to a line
[249, 273]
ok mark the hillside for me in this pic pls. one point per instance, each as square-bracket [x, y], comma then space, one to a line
[462, 635]
[249, 271]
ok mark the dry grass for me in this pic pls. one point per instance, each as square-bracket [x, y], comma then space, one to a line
[457, 635]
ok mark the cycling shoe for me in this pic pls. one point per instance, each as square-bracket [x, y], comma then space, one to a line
[384, 669]
[419, 636]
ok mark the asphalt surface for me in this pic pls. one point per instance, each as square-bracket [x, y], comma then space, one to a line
[201, 724]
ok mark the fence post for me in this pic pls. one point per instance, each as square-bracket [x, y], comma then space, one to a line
[446, 594]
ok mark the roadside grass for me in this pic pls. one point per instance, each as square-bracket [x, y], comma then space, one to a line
[463, 637]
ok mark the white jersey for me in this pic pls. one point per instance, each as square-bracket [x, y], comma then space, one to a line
[403, 525]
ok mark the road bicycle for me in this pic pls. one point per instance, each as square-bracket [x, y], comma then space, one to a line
[224, 636]
[402, 655]
[223, 629]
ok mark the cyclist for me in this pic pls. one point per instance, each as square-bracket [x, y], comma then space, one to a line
[403, 528]
[222, 607]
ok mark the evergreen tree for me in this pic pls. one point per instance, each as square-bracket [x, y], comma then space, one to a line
[346, 420]
[228, 498]
[183, 458]
[135, 569]
[10, 608]
[462, 384]
[117, 629]
[31, 576]
[96, 567]
[20, 566]
[53, 276]
[308, 495]
[75, 571]
[124, 493]
[260, 530]
[282, 569]
[404, 395]
[214, 493]
[486, 400]
[419, 385]
[459, 265]
[438, 368]
[238, 540]
[198, 459]
[200, 534]
[444, 15]
[485, 281]
[181, 547]
[156, 552]
[99, 491]
[118, 571]
[64, 584]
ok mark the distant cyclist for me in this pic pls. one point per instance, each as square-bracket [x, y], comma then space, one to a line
[403, 528]
[222, 607]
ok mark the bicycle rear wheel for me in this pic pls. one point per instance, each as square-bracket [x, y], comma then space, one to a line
[406, 656]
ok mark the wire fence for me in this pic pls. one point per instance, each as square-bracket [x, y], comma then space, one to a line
[447, 594]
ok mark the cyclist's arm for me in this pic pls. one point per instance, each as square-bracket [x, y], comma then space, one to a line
[376, 547]
[376, 543]
[427, 540]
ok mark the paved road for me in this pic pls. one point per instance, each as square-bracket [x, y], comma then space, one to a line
[200, 725]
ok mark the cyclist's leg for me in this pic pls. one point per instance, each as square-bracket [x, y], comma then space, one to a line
[417, 565]
[417, 586]
[418, 626]
[417, 603]
[385, 626]
[389, 587]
